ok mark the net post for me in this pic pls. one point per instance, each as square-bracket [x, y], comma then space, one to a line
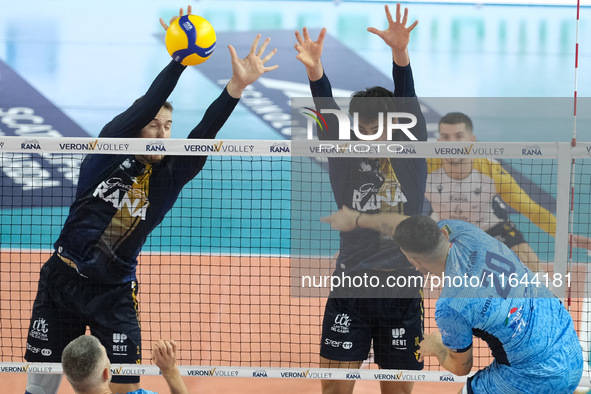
[562, 215]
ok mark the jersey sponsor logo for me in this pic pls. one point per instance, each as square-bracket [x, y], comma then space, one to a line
[121, 196]
[119, 348]
[345, 345]
[279, 147]
[533, 150]
[486, 305]
[514, 320]
[40, 329]
[383, 195]
[398, 341]
[30, 144]
[342, 322]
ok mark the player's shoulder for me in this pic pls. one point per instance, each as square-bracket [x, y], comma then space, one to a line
[456, 227]
[487, 167]
[434, 164]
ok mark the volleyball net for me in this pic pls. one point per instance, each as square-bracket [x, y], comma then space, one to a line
[236, 272]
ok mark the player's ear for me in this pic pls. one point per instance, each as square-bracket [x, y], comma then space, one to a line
[472, 137]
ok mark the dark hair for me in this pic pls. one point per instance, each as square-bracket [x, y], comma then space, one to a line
[457, 117]
[418, 234]
[166, 104]
[368, 109]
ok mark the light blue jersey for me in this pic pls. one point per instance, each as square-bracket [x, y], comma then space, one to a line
[498, 299]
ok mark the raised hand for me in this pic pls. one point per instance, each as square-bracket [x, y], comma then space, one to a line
[310, 52]
[397, 35]
[165, 26]
[246, 71]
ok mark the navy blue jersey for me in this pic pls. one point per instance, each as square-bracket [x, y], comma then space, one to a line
[373, 185]
[120, 200]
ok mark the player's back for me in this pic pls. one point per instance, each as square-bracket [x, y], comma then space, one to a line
[498, 299]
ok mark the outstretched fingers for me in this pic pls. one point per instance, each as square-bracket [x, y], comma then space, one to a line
[255, 44]
[263, 47]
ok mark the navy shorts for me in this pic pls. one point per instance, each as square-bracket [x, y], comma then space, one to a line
[507, 233]
[394, 324]
[67, 303]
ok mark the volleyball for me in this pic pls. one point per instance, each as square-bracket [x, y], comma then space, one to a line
[190, 40]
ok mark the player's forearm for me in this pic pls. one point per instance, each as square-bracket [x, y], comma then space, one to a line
[401, 58]
[315, 72]
[175, 381]
[449, 362]
[385, 223]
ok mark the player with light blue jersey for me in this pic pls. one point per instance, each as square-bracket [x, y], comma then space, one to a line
[489, 293]
[512, 315]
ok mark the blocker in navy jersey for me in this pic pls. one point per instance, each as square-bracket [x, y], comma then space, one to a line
[530, 333]
[91, 279]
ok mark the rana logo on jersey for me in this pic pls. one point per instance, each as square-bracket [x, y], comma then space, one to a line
[123, 196]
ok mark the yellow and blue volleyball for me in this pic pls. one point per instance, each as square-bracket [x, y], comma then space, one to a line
[190, 40]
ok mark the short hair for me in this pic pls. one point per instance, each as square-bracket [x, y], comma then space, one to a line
[166, 104]
[457, 117]
[368, 109]
[418, 234]
[82, 362]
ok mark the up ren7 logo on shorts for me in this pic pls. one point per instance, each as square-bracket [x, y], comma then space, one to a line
[392, 119]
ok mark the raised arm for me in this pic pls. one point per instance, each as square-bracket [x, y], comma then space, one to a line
[397, 35]
[164, 356]
[143, 110]
[310, 54]
[244, 72]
